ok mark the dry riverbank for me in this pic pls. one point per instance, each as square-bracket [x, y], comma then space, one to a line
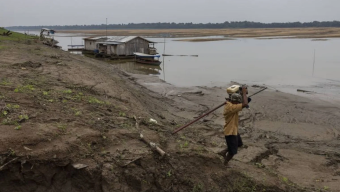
[231, 33]
[69, 124]
[295, 138]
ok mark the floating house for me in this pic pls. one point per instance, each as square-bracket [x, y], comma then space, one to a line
[120, 45]
[90, 42]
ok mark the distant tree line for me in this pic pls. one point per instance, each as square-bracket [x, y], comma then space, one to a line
[233, 24]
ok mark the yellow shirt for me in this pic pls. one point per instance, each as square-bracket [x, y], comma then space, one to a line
[231, 118]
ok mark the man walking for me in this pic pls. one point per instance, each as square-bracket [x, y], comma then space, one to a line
[233, 138]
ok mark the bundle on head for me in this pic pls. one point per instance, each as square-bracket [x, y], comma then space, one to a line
[236, 97]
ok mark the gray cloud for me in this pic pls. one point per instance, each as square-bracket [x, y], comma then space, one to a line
[69, 12]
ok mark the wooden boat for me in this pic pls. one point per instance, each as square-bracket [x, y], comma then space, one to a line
[143, 55]
[148, 61]
[147, 58]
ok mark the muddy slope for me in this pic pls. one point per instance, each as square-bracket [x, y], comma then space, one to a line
[68, 123]
[295, 138]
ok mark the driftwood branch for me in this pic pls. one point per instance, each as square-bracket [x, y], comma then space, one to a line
[8, 33]
[146, 141]
[304, 91]
[152, 145]
[4, 165]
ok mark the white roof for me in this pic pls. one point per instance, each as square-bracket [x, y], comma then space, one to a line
[109, 43]
[121, 39]
[114, 40]
[124, 39]
[95, 38]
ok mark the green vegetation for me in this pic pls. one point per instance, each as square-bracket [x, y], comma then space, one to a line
[197, 187]
[4, 81]
[9, 121]
[4, 113]
[23, 117]
[9, 118]
[16, 106]
[24, 88]
[122, 114]
[76, 112]
[18, 127]
[11, 152]
[184, 145]
[173, 25]
[169, 173]
[14, 36]
[259, 165]
[62, 128]
[94, 100]
[67, 91]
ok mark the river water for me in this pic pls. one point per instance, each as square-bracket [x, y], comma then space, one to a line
[285, 64]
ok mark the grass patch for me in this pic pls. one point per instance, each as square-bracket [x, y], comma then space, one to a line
[17, 127]
[25, 88]
[94, 100]
[4, 81]
[15, 36]
[62, 128]
[67, 91]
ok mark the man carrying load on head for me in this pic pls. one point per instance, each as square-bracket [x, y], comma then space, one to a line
[232, 108]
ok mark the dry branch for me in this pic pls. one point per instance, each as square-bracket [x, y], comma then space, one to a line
[4, 165]
[149, 143]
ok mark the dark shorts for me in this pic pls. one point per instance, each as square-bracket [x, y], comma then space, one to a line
[233, 142]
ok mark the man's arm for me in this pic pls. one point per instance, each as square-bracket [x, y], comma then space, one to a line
[232, 108]
[245, 98]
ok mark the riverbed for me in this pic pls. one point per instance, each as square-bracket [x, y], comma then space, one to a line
[285, 64]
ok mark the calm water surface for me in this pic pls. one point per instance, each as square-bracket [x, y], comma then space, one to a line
[282, 63]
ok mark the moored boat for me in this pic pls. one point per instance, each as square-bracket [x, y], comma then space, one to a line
[148, 61]
[143, 55]
[147, 58]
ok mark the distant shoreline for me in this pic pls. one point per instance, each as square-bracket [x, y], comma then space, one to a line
[230, 33]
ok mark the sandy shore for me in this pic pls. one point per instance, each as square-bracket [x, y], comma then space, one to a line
[230, 33]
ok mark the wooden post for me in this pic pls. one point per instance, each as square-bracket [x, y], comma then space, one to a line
[313, 63]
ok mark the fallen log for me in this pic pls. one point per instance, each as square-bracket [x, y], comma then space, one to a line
[152, 145]
[146, 141]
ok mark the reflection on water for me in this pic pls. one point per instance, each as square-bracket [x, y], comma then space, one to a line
[272, 62]
[137, 68]
[276, 62]
[64, 39]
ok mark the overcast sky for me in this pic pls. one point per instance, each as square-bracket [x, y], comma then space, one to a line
[70, 12]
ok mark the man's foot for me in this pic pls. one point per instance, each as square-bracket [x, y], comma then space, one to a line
[223, 153]
[243, 146]
[226, 164]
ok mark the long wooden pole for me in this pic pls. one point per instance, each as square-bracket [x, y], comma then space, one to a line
[313, 62]
[200, 117]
